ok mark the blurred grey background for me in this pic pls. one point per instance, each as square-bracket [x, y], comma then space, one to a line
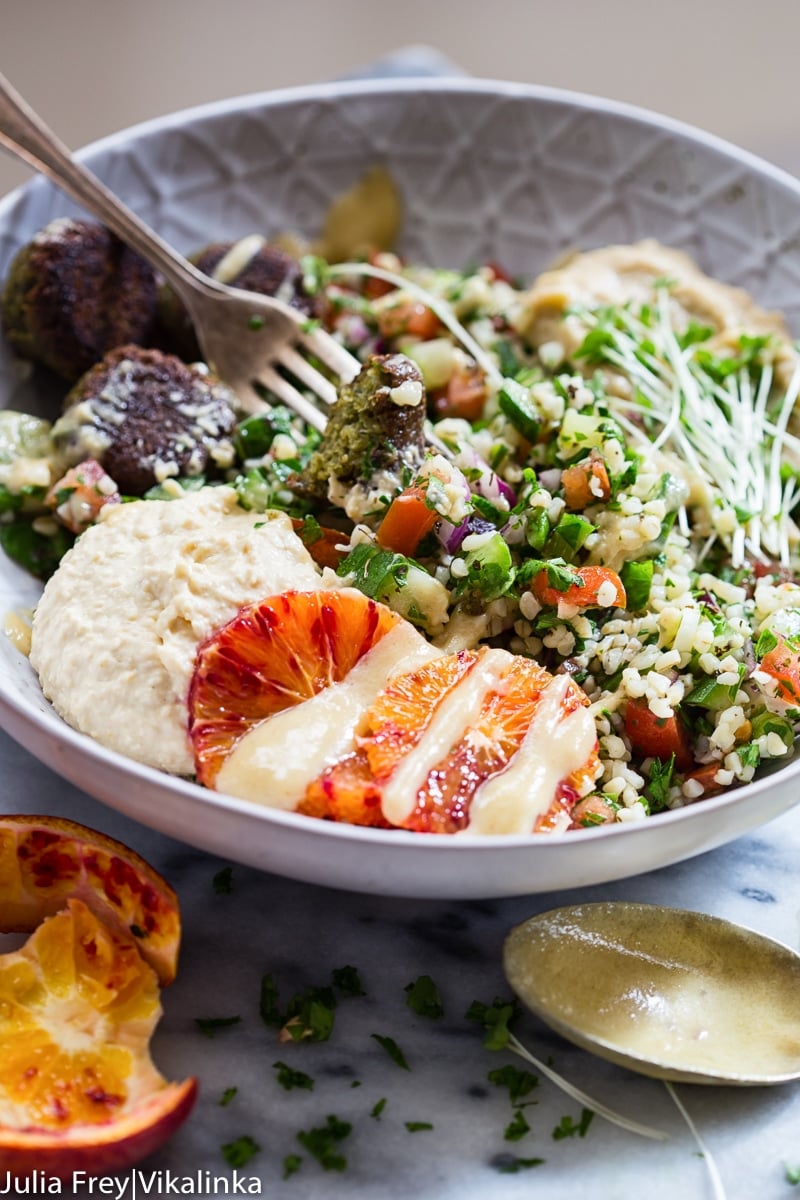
[94, 66]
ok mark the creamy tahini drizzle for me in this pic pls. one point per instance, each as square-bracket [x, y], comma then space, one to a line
[240, 255]
[18, 630]
[459, 709]
[275, 762]
[554, 746]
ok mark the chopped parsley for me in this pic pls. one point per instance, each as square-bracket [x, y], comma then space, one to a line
[422, 996]
[310, 1015]
[392, 1049]
[509, 1164]
[517, 1127]
[268, 1004]
[378, 1108]
[496, 1019]
[348, 982]
[223, 882]
[289, 1078]
[323, 1142]
[657, 790]
[227, 1096]
[417, 1126]
[211, 1026]
[291, 1165]
[519, 1082]
[569, 1128]
[239, 1152]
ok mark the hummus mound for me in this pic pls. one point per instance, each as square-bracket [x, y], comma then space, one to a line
[616, 275]
[116, 630]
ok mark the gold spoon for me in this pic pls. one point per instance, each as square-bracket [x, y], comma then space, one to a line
[672, 994]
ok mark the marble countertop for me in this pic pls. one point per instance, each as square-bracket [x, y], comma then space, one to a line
[300, 934]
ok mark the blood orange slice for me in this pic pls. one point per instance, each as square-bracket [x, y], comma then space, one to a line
[471, 747]
[274, 654]
[78, 1006]
[44, 861]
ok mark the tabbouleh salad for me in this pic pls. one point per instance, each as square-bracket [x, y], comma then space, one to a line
[605, 483]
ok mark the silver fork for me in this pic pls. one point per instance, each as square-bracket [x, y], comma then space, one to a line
[246, 338]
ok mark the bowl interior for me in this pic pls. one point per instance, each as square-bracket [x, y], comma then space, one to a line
[487, 171]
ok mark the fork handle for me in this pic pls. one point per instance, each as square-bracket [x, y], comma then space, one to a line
[24, 133]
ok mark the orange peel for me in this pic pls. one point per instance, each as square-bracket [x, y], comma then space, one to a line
[44, 861]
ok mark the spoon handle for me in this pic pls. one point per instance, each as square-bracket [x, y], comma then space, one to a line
[24, 133]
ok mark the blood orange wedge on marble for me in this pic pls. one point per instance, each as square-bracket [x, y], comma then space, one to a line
[44, 861]
[274, 655]
[436, 735]
[78, 1089]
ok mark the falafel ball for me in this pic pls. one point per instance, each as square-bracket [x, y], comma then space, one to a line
[73, 293]
[252, 264]
[147, 416]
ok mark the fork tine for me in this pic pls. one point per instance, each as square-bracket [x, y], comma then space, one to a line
[334, 355]
[298, 366]
[292, 397]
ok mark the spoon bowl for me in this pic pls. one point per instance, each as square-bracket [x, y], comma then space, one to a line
[668, 993]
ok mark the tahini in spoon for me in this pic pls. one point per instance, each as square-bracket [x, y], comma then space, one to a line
[668, 993]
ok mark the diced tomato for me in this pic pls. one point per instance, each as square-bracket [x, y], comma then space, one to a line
[585, 483]
[410, 317]
[463, 396]
[78, 497]
[324, 550]
[657, 737]
[582, 595]
[373, 288]
[783, 664]
[408, 519]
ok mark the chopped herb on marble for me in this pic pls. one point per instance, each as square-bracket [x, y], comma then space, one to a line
[392, 1049]
[417, 1126]
[223, 881]
[347, 980]
[422, 997]
[355, 1083]
[291, 1164]
[268, 1008]
[509, 1164]
[792, 1174]
[517, 1127]
[211, 1026]
[496, 1019]
[239, 1152]
[519, 1082]
[288, 1078]
[378, 1108]
[309, 1016]
[323, 1143]
[227, 1096]
[569, 1128]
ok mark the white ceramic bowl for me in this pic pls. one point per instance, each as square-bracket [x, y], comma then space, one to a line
[487, 171]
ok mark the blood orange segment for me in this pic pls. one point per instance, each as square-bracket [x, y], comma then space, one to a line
[396, 722]
[78, 1006]
[404, 709]
[442, 803]
[44, 861]
[274, 654]
[346, 791]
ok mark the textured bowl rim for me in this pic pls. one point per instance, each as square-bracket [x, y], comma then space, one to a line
[50, 724]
